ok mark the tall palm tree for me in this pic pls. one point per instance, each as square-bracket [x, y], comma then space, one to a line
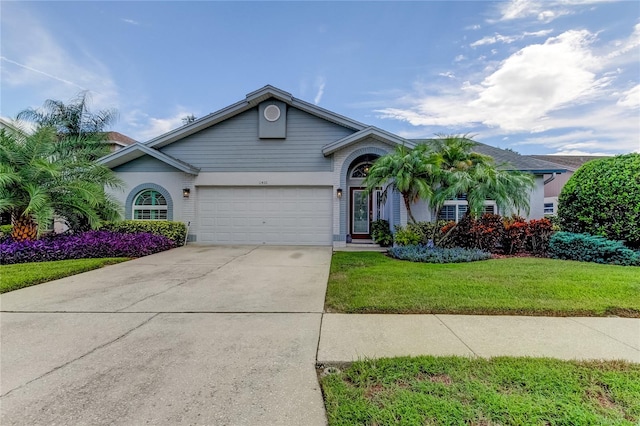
[35, 184]
[410, 172]
[477, 176]
[79, 142]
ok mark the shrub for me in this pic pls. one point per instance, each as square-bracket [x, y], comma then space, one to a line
[421, 253]
[406, 236]
[603, 198]
[175, 231]
[92, 244]
[514, 235]
[539, 231]
[381, 233]
[484, 233]
[591, 248]
[5, 233]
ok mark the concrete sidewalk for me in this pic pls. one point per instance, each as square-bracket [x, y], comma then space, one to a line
[346, 337]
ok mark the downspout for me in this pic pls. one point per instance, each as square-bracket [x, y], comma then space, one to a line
[553, 176]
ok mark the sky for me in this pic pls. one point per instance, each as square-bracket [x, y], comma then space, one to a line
[537, 77]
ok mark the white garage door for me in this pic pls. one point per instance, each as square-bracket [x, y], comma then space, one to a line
[265, 215]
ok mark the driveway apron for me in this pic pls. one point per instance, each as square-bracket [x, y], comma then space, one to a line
[220, 335]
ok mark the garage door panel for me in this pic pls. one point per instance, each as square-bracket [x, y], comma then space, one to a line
[271, 215]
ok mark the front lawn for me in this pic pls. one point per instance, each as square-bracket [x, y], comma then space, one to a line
[498, 391]
[374, 283]
[21, 275]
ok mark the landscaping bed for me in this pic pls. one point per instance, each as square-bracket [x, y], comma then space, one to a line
[507, 391]
[374, 283]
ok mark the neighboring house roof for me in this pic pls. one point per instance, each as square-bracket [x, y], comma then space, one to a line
[510, 160]
[138, 150]
[119, 139]
[571, 162]
[369, 132]
[252, 100]
[6, 124]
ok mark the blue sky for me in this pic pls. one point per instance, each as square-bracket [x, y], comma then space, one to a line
[539, 77]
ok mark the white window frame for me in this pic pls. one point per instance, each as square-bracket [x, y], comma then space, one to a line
[461, 207]
[151, 207]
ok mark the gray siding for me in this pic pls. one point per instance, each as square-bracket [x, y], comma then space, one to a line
[145, 164]
[233, 145]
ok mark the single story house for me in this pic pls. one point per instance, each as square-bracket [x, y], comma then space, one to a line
[273, 169]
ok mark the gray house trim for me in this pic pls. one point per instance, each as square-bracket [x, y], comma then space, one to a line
[252, 100]
[138, 150]
[369, 132]
[343, 184]
[128, 205]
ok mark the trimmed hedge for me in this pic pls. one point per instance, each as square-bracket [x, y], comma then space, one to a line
[422, 253]
[591, 248]
[92, 244]
[603, 198]
[175, 231]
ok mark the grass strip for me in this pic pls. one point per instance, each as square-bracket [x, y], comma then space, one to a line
[498, 391]
[13, 277]
[365, 282]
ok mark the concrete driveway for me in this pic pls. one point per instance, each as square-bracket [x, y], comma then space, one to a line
[196, 335]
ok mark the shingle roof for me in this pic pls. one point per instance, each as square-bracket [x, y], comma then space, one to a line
[119, 137]
[510, 160]
[571, 162]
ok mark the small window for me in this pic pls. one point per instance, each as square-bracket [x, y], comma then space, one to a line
[489, 209]
[150, 205]
[548, 208]
[447, 213]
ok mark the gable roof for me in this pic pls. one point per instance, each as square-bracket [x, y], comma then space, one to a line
[138, 150]
[252, 100]
[571, 162]
[119, 139]
[509, 160]
[368, 132]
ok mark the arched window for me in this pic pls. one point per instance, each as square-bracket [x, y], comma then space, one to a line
[150, 205]
[361, 170]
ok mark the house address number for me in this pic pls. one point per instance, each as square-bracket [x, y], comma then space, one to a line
[263, 182]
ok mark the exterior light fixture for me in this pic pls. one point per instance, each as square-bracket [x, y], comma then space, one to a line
[186, 192]
[339, 193]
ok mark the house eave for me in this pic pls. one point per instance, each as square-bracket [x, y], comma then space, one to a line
[137, 150]
[368, 132]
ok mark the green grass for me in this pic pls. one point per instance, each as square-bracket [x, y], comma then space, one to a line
[373, 282]
[499, 391]
[13, 277]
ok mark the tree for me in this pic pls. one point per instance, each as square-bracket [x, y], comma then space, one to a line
[188, 119]
[35, 185]
[410, 172]
[79, 140]
[477, 176]
[603, 198]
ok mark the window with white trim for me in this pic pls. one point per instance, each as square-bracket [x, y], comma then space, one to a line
[456, 209]
[548, 208]
[149, 205]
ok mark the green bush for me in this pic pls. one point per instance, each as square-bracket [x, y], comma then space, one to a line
[175, 231]
[5, 230]
[406, 236]
[591, 248]
[603, 198]
[381, 233]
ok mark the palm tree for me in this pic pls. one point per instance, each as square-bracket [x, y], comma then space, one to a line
[477, 176]
[36, 184]
[410, 172]
[80, 138]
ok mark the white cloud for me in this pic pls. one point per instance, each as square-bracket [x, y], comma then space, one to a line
[498, 38]
[130, 21]
[459, 58]
[447, 74]
[320, 85]
[147, 127]
[630, 98]
[562, 83]
[544, 11]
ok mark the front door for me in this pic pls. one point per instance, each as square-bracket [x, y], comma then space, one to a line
[361, 214]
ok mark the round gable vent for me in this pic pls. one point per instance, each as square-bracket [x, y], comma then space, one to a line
[272, 113]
